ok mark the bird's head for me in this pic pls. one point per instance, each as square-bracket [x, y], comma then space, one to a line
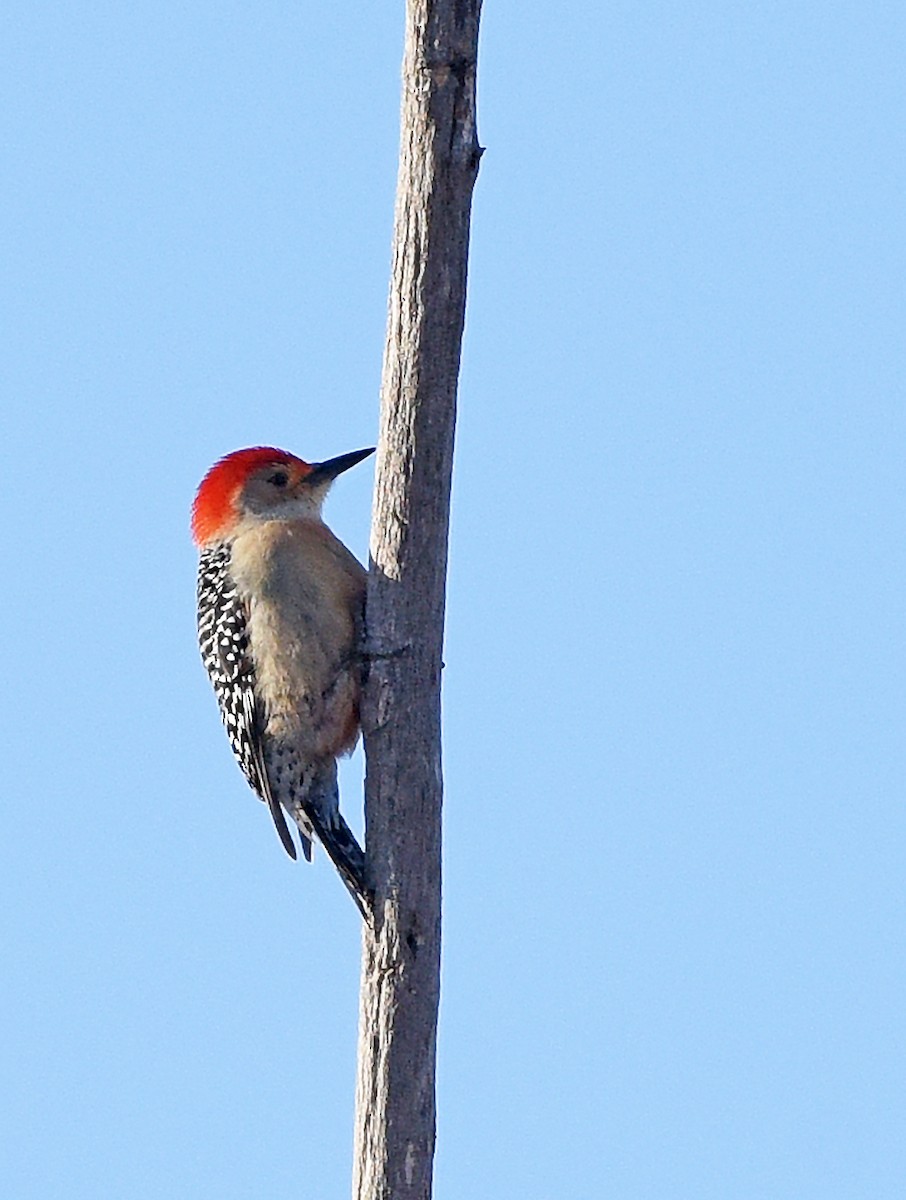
[263, 484]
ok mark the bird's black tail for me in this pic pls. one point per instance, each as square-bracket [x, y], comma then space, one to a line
[346, 855]
[321, 814]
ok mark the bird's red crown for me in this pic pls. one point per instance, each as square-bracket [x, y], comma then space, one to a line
[214, 508]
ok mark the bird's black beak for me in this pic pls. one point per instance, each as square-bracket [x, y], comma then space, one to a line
[326, 472]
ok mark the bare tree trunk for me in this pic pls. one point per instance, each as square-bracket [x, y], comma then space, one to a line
[439, 153]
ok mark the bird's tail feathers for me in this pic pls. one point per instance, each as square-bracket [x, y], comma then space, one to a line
[318, 816]
[346, 855]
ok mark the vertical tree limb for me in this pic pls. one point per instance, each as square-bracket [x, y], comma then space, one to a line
[439, 153]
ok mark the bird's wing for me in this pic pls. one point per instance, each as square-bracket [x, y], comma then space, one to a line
[224, 641]
[256, 771]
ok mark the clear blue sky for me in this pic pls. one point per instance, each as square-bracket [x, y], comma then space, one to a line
[674, 706]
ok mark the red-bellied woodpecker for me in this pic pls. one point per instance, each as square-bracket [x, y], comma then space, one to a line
[280, 603]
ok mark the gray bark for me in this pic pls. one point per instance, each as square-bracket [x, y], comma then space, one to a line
[439, 153]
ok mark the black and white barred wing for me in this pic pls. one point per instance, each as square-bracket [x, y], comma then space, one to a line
[224, 643]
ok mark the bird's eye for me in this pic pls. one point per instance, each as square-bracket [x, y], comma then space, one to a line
[279, 479]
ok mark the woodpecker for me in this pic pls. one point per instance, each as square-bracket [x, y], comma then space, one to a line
[280, 606]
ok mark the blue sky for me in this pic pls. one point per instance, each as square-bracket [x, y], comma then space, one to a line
[674, 697]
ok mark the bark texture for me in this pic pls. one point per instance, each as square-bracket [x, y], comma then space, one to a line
[439, 153]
